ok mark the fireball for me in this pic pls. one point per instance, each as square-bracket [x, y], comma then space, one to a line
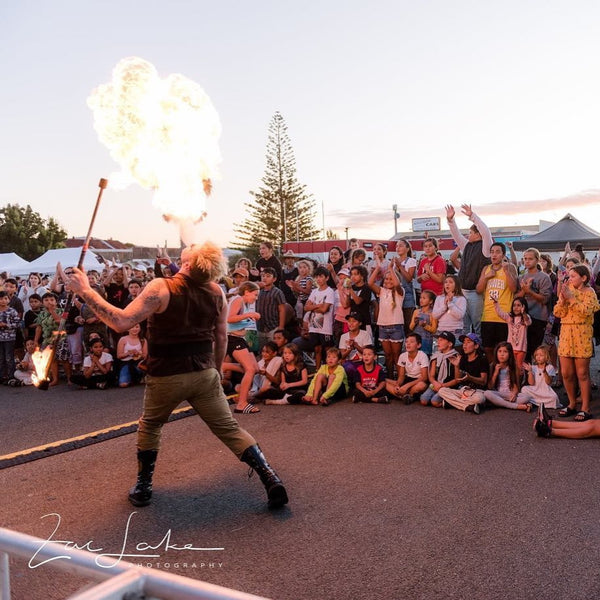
[163, 133]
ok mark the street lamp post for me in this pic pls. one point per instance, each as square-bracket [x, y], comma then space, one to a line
[396, 217]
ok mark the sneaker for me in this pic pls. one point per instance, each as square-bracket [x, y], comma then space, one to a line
[445, 404]
[383, 400]
[477, 409]
[407, 399]
[354, 400]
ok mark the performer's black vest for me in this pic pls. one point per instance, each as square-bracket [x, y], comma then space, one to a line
[180, 339]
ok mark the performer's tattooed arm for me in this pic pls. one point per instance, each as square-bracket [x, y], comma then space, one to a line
[153, 298]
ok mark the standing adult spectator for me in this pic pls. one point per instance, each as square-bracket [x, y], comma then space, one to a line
[536, 288]
[186, 345]
[269, 260]
[475, 251]
[498, 283]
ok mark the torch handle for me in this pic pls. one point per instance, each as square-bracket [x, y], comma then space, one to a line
[102, 185]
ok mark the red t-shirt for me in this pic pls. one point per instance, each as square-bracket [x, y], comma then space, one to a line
[438, 265]
[371, 379]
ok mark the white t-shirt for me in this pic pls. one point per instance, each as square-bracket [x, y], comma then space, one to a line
[362, 339]
[105, 358]
[259, 380]
[321, 322]
[413, 368]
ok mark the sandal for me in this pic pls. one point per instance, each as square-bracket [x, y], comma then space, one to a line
[567, 412]
[249, 409]
[582, 416]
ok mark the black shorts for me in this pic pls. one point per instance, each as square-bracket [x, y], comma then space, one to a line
[235, 342]
[493, 333]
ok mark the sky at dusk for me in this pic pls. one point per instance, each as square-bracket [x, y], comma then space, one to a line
[418, 104]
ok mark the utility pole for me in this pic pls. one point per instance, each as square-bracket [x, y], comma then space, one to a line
[396, 217]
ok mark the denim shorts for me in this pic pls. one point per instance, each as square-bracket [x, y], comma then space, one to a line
[391, 333]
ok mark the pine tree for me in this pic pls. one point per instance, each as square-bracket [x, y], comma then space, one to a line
[281, 209]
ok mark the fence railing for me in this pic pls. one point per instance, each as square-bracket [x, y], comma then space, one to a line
[122, 581]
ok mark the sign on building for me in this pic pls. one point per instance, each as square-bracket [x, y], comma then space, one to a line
[426, 224]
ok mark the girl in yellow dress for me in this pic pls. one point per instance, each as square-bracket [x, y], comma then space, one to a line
[577, 303]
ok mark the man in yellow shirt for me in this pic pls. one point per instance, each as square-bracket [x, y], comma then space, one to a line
[498, 281]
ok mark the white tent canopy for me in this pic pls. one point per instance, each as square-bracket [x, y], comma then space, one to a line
[68, 257]
[12, 263]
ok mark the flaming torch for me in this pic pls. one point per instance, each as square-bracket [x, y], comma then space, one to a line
[164, 133]
[43, 359]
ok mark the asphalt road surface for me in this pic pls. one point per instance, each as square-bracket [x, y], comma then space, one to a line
[386, 502]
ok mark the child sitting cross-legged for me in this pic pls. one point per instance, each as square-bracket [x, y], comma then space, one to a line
[539, 378]
[503, 382]
[96, 367]
[370, 386]
[412, 371]
[267, 378]
[293, 379]
[330, 382]
[442, 372]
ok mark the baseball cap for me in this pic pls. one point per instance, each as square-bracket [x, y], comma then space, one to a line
[447, 335]
[241, 271]
[354, 315]
[472, 336]
[345, 272]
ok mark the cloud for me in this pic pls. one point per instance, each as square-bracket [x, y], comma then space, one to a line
[370, 218]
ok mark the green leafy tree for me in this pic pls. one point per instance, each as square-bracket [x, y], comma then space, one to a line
[281, 209]
[26, 233]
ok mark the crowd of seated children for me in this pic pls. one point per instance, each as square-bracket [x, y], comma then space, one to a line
[526, 317]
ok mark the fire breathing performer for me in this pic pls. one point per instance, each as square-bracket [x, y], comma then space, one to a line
[187, 341]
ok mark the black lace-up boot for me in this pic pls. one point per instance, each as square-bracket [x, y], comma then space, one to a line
[276, 493]
[141, 494]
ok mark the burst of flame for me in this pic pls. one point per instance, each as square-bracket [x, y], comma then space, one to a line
[164, 134]
[41, 361]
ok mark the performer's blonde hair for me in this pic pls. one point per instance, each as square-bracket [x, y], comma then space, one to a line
[205, 260]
